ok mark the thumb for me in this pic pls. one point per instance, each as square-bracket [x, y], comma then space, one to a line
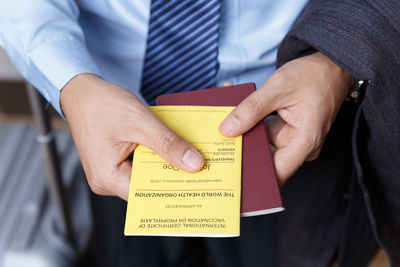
[289, 158]
[173, 148]
[249, 112]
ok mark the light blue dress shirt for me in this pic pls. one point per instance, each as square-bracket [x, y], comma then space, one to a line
[51, 41]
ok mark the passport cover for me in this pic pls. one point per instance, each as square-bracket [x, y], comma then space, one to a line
[260, 189]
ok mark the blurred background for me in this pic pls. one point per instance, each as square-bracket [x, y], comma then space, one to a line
[42, 223]
[45, 213]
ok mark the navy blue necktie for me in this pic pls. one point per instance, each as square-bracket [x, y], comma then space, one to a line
[182, 47]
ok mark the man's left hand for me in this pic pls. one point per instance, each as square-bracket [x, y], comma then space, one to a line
[306, 93]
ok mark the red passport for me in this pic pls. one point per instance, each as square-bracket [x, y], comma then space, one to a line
[260, 189]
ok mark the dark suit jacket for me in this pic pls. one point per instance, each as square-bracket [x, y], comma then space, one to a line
[348, 201]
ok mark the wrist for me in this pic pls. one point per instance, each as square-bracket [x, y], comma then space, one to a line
[76, 88]
[341, 81]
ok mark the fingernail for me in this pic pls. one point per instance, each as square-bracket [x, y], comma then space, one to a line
[230, 126]
[192, 159]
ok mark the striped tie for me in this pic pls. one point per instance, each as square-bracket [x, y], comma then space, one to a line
[182, 47]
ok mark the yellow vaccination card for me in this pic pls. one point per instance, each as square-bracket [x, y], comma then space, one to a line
[166, 201]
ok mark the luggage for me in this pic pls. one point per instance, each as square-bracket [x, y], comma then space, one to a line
[29, 232]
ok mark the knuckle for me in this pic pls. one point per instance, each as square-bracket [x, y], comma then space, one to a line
[308, 142]
[313, 140]
[313, 157]
[168, 142]
[317, 153]
[134, 115]
[279, 78]
[96, 187]
[254, 107]
[275, 79]
[96, 184]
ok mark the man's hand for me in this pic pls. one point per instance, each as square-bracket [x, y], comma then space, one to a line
[306, 93]
[107, 122]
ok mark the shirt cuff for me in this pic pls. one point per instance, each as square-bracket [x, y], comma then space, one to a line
[59, 60]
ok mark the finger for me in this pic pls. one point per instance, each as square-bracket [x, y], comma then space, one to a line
[272, 148]
[171, 147]
[120, 186]
[111, 177]
[314, 155]
[249, 112]
[227, 84]
[116, 184]
[289, 158]
[276, 131]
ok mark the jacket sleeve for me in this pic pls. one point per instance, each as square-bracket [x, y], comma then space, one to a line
[45, 43]
[363, 37]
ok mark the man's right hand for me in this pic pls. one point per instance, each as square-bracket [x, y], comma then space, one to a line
[107, 122]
